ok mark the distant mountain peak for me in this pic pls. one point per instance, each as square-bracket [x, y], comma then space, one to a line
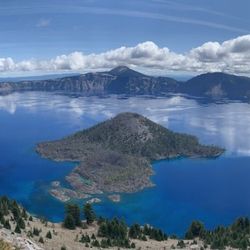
[121, 69]
[125, 71]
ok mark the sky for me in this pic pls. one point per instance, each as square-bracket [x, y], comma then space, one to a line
[153, 36]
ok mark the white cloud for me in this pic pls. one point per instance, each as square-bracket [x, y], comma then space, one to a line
[231, 56]
[42, 23]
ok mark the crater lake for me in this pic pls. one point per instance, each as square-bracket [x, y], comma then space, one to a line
[215, 191]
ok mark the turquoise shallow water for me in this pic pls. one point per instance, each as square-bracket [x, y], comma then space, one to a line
[215, 191]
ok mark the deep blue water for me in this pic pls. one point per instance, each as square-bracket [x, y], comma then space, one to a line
[214, 191]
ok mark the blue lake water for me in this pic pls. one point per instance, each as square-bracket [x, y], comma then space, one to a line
[214, 191]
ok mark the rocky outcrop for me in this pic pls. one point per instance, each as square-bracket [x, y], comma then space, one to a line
[115, 155]
[12, 241]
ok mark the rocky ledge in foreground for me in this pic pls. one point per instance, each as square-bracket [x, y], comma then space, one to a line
[114, 156]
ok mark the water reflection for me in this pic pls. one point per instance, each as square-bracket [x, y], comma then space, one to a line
[226, 124]
[222, 193]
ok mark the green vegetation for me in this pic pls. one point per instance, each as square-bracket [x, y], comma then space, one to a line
[21, 223]
[17, 229]
[72, 218]
[195, 230]
[181, 244]
[74, 210]
[36, 231]
[236, 235]
[155, 234]
[138, 232]
[89, 213]
[116, 233]
[10, 209]
[69, 222]
[115, 155]
[49, 235]
[7, 225]
[41, 240]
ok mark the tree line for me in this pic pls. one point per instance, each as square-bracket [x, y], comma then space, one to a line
[116, 233]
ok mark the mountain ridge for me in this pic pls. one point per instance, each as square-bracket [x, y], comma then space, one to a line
[123, 80]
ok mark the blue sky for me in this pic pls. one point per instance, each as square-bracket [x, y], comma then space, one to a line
[42, 30]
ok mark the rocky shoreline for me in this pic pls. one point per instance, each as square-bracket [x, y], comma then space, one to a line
[115, 156]
[65, 194]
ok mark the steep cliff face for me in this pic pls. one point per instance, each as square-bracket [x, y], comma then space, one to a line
[120, 80]
[83, 83]
[123, 80]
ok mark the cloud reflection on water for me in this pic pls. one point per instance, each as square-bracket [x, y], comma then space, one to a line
[223, 124]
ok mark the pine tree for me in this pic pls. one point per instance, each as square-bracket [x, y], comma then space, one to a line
[74, 210]
[89, 213]
[16, 211]
[49, 235]
[195, 230]
[24, 214]
[95, 243]
[41, 240]
[17, 229]
[69, 222]
[36, 232]
[21, 223]
[7, 225]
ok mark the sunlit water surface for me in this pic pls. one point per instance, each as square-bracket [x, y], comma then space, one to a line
[214, 191]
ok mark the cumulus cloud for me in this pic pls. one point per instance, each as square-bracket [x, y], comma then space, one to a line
[231, 56]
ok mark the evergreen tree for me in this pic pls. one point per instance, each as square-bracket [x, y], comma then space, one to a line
[195, 230]
[7, 225]
[2, 220]
[69, 222]
[95, 243]
[135, 231]
[132, 245]
[181, 244]
[41, 240]
[17, 229]
[21, 223]
[4, 205]
[74, 211]
[36, 232]
[49, 235]
[89, 213]
[24, 214]
[16, 212]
